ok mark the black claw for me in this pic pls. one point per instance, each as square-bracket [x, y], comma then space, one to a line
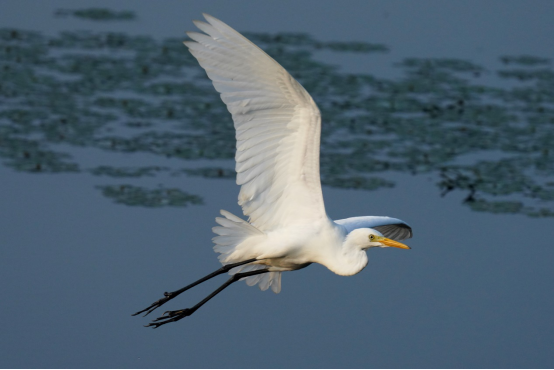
[170, 316]
[153, 326]
[154, 305]
[156, 325]
[151, 310]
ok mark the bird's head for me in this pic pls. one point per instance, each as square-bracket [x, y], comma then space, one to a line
[365, 238]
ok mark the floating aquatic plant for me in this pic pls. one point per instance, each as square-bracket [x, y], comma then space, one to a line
[135, 94]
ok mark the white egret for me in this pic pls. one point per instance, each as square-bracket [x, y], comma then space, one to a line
[277, 162]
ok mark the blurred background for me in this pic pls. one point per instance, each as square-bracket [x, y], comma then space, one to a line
[117, 155]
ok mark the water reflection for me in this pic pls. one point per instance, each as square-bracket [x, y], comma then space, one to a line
[123, 93]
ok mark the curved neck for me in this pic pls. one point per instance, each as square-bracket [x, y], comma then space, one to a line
[347, 260]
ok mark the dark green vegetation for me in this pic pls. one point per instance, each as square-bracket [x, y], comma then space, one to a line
[97, 14]
[122, 93]
[137, 196]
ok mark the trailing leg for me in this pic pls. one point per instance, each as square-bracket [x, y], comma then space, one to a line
[172, 316]
[170, 295]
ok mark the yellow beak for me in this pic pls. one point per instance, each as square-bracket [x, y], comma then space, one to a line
[392, 243]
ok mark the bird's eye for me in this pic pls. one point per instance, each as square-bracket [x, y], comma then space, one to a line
[371, 237]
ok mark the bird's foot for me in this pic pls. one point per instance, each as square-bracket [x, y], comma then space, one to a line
[158, 303]
[170, 316]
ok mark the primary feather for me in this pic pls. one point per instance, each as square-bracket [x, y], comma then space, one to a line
[277, 127]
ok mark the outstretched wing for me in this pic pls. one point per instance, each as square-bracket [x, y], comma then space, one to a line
[390, 227]
[277, 127]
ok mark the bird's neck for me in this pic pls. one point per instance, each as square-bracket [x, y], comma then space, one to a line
[347, 260]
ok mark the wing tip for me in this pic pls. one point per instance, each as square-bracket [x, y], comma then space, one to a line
[221, 26]
[209, 17]
[199, 23]
[189, 43]
[195, 36]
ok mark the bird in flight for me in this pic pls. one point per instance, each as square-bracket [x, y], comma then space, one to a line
[278, 127]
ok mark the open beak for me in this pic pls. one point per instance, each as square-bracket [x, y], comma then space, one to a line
[392, 243]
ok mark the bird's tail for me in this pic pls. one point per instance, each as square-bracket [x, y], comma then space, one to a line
[232, 232]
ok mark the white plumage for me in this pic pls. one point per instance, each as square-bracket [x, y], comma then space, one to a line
[278, 128]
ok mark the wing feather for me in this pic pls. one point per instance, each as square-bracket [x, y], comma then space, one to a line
[390, 227]
[277, 128]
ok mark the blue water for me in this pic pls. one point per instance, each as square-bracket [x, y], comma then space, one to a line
[99, 218]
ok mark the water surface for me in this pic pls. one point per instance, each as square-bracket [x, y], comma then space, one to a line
[117, 155]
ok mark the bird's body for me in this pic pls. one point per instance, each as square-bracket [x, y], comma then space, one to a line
[296, 246]
[278, 127]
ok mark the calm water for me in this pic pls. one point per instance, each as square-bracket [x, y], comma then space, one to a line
[117, 155]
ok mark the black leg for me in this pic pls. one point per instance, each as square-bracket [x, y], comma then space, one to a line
[172, 316]
[171, 295]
